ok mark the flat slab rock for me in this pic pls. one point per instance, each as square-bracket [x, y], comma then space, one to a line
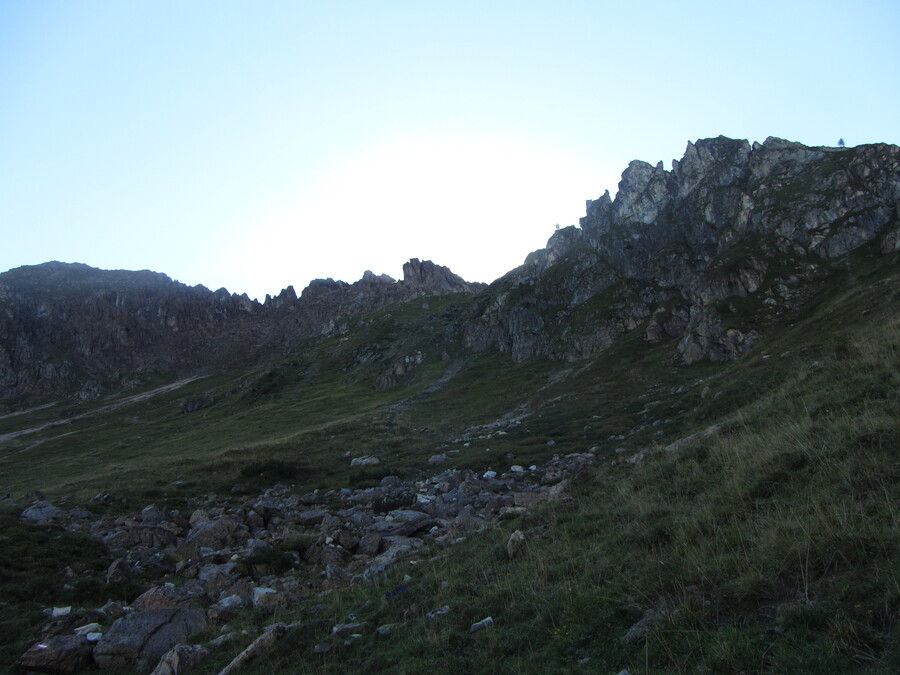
[403, 522]
[146, 635]
[42, 513]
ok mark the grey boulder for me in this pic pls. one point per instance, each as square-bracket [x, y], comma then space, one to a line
[146, 635]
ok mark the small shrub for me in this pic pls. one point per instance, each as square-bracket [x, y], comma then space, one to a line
[273, 469]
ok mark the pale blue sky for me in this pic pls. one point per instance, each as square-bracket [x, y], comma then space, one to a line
[254, 145]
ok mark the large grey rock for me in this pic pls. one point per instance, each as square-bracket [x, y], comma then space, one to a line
[151, 515]
[345, 629]
[369, 544]
[403, 522]
[216, 576]
[311, 517]
[226, 608]
[42, 513]
[59, 654]
[515, 543]
[399, 548]
[146, 635]
[153, 537]
[639, 631]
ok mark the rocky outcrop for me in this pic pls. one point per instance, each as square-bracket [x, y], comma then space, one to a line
[68, 328]
[675, 251]
[426, 278]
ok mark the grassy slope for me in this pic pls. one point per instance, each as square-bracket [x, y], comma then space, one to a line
[771, 546]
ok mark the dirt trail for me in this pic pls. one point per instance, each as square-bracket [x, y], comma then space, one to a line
[451, 371]
[25, 412]
[115, 405]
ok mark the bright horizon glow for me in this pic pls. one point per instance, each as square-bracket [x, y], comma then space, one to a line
[431, 197]
[254, 147]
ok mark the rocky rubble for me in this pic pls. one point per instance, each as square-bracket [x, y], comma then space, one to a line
[270, 552]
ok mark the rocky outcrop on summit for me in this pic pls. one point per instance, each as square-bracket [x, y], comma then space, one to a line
[677, 251]
[426, 278]
[325, 302]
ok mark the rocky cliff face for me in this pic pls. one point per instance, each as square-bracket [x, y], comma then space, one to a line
[69, 328]
[705, 253]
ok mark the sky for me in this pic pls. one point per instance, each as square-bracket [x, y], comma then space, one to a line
[256, 145]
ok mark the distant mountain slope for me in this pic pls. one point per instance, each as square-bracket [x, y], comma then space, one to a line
[708, 255]
[70, 328]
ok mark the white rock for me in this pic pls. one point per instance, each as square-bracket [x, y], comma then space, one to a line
[440, 611]
[259, 592]
[479, 625]
[367, 460]
[87, 628]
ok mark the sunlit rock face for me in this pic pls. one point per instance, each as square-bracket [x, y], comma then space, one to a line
[705, 254]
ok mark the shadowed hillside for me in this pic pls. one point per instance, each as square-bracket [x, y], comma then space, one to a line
[665, 443]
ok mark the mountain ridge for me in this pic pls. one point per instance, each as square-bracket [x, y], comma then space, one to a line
[69, 328]
[674, 239]
[673, 254]
[666, 443]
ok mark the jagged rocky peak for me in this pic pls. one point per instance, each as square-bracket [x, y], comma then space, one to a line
[287, 298]
[64, 326]
[426, 277]
[322, 287]
[369, 278]
[723, 189]
[561, 241]
[730, 220]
